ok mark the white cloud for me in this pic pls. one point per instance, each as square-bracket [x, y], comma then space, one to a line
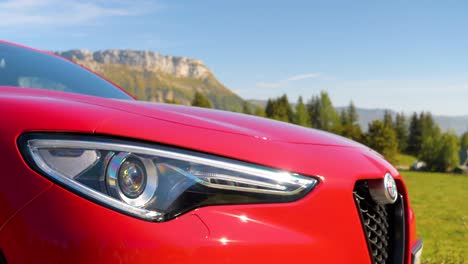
[304, 76]
[284, 82]
[30, 13]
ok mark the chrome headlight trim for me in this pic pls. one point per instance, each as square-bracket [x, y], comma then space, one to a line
[276, 183]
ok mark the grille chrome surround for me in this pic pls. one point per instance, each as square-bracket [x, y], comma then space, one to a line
[383, 226]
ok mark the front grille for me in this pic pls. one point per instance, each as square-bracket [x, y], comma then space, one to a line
[2, 258]
[383, 226]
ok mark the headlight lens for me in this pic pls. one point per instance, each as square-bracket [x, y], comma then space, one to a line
[155, 182]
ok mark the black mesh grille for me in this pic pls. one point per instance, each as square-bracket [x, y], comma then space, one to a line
[379, 226]
[2, 258]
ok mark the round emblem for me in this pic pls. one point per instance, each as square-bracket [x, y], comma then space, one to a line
[384, 190]
[390, 188]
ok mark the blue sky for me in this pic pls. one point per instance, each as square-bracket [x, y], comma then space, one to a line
[403, 55]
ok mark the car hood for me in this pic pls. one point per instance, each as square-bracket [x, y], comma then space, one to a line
[232, 135]
[217, 120]
[228, 122]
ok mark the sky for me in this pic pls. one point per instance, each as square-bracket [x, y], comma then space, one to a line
[401, 55]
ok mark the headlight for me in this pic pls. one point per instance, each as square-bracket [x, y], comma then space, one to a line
[155, 182]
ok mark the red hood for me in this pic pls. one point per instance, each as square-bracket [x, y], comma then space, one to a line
[252, 139]
[229, 122]
[217, 120]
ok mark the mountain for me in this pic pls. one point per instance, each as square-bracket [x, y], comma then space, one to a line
[459, 124]
[154, 77]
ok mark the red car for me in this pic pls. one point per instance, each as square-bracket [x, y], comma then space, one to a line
[90, 175]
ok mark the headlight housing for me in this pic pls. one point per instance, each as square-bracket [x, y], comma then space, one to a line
[155, 182]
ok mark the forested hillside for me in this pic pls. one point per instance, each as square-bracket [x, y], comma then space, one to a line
[153, 77]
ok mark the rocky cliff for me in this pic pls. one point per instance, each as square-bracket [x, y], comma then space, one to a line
[154, 77]
[143, 60]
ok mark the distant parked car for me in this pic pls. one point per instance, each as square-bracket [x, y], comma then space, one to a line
[418, 165]
[89, 175]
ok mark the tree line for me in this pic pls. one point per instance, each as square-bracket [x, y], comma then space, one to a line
[417, 135]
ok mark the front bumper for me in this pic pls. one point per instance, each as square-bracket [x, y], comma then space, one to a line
[416, 252]
[59, 226]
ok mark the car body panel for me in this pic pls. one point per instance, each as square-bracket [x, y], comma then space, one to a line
[21, 112]
[224, 121]
[63, 234]
[52, 224]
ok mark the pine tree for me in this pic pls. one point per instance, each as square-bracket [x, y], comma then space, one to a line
[421, 128]
[201, 101]
[388, 119]
[415, 135]
[344, 117]
[313, 107]
[284, 102]
[269, 108]
[329, 117]
[401, 129]
[349, 123]
[302, 116]
[279, 109]
[428, 126]
[352, 114]
[323, 115]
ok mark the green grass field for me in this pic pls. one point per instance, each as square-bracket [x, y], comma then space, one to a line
[440, 201]
[405, 160]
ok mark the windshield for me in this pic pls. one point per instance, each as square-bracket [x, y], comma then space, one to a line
[22, 67]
